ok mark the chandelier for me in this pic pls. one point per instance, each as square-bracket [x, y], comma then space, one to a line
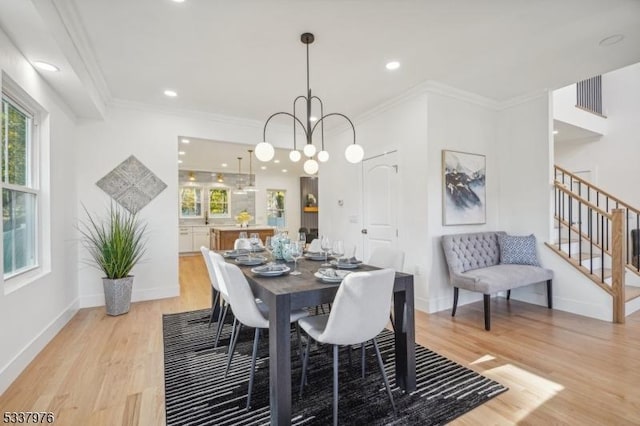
[265, 151]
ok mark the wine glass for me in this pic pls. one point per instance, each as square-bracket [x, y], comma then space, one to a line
[268, 246]
[338, 249]
[325, 244]
[242, 235]
[302, 237]
[254, 240]
[295, 250]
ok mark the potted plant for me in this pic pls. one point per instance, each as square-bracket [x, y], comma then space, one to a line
[115, 244]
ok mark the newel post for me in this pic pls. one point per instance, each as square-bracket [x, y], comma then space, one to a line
[618, 264]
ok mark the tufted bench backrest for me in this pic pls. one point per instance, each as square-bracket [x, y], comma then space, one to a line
[465, 252]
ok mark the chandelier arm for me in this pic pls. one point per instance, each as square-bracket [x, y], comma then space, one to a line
[264, 130]
[341, 115]
[321, 115]
[295, 101]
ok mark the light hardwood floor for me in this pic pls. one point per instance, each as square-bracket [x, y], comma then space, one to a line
[560, 368]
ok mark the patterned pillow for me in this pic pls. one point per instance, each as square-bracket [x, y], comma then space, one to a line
[518, 250]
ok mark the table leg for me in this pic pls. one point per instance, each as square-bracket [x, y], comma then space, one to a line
[405, 339]
[280, 359]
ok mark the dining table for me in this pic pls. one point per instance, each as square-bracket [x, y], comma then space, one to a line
[287, 292]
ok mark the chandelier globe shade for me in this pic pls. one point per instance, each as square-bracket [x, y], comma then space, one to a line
[354, 153]
[265, 151]
[295, 156]
[310, 167]
[306, 121]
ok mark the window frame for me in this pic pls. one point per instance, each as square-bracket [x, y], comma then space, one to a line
[32, 185]
[208, 203]
[194, 187]
[282, 211]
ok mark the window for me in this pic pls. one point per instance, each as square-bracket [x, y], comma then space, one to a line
[276, 214]
[190, 202]
[219, 202]
[19, 188]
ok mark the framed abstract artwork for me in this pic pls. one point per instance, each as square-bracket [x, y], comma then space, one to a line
[463, 188]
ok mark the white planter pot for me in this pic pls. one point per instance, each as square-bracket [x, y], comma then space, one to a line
[117, 295]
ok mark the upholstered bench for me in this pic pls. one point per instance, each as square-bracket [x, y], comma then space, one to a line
[489, 262]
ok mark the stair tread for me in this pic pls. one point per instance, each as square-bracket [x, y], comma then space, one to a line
[607, 273]
[585, 256]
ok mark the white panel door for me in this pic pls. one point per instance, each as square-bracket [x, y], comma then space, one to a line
[380, 202]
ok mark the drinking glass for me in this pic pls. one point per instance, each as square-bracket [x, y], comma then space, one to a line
[268, 246]
[254, 240]
[325, 244]
[302, 237]
[242, 235]
[295, 249]
[338, 249]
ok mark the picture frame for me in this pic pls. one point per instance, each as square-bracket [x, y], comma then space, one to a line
[464, 189]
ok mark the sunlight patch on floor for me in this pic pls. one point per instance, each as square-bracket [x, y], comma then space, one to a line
[485, 358]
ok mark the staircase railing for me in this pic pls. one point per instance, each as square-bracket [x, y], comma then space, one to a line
[596, 221]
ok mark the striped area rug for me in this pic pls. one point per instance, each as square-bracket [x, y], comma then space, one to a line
[198, 394]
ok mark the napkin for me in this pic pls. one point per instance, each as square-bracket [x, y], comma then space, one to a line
[271, 268]
[349, 260]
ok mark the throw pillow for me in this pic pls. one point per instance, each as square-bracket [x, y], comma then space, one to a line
[518, 250]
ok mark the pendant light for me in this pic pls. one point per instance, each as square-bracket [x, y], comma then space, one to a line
[252, 186]
[239, 189]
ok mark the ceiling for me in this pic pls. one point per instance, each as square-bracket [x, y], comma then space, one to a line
[243, 58]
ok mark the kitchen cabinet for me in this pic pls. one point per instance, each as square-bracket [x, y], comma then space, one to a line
[222, 238]
[191, 238]
[185, 239]
[200, 237]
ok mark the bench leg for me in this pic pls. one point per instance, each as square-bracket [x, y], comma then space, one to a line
[508, 294]
[455, 301]
[549, 295]
[487, 312]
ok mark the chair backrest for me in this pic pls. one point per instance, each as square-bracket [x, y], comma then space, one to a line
[216, 261]
[241, 298]
[241, 243]
[314, 246]
[465, 252]
[387, 257]
[209, 263]
[360, 309]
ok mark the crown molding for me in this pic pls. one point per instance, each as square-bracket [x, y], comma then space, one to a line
[518, 100]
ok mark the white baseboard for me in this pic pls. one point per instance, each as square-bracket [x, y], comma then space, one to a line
[446, 302]
[92, 300]
[13, 368]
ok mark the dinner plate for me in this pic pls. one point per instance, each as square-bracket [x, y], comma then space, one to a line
[235, 253]
[314, 256]
[271, 270]
[339, 275]
[250, 261]
[344, 265]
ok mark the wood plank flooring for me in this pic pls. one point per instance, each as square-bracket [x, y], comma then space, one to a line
[560, 368]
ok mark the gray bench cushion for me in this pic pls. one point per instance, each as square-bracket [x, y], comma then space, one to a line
[500, 278]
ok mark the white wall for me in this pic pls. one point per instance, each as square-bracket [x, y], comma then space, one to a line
[31, 315]
[614, 157]
[564, 109]
[151, 136]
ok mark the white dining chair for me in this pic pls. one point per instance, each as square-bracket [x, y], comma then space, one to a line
[242, 243]
[215, 289]
[387, 257]
[215, 260]
[359, 314]
[249, 313]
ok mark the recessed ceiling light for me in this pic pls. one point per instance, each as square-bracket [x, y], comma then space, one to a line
[224, 164]
[46, 66]
[276, 161]
[611, 40]
[313, 118]
[179, 161]
[181, 152]
[555, 132]
[185, 141]
[263, 167]
[393, 65]
[170, 93]
[284, 170]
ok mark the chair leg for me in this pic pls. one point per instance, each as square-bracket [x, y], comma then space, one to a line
[233, 333]
[393, 324]
[221, 317]
[305, 361]
[487, 312]
[362, 353]
[549, 295]
[384, 375]
[214, 302]
[456, 290]
[232, 348]
[256, 338]
[508, 294]
[299, 341]
[335, 385]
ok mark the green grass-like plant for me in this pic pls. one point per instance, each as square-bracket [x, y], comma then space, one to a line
[116, 243]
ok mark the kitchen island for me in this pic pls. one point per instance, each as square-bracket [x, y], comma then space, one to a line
[223, 237]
